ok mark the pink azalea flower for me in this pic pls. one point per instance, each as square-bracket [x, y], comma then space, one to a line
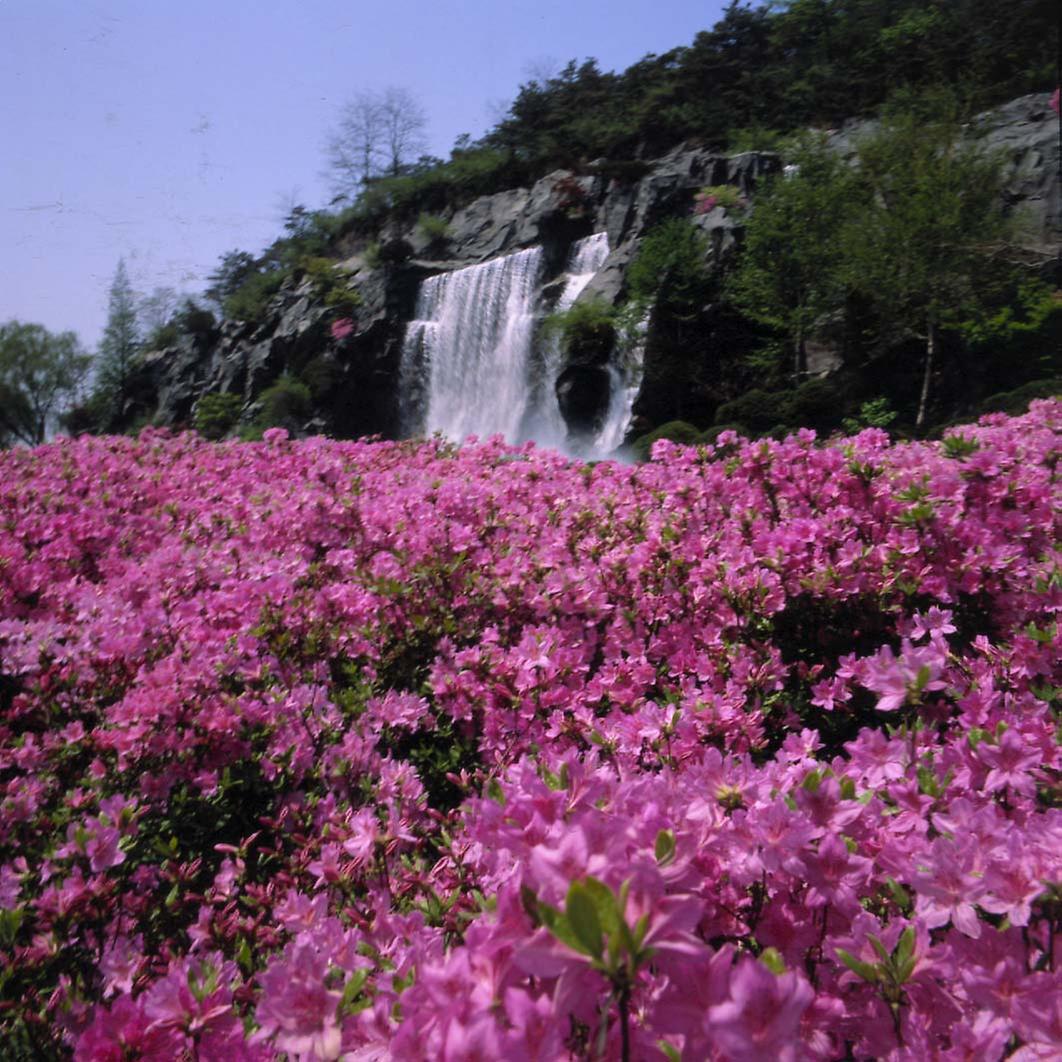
[296, 1011]
[761, 1017]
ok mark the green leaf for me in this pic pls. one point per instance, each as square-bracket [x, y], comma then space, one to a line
[673, 1053]
[877, 945]
[857, 966]
[664, 848]
[10, 921]
[905, 945]
[812, 781]
[641, 928]
[244, 957]
[772, 959]
[607, 907]
[352, 989]
[899, 894]
[581, 913]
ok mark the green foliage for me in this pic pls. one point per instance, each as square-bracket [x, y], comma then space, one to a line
[757, 138]
[331, 284]
[438, 755]
[817, 403]
[216, 414]
[586, 330]
[670, 266]
[594, 923]
[759, 410]
[288, 401]
[195, 319]
[677, 431]
[791, 272]
[914, 244]
[433, 228]
[320, 375]
[371, 254]
[250, 300]
[874, 413]
[164, 335]
[1017, 401]
[118, 354]
[233, 269]
[720, 195]
[41, 373]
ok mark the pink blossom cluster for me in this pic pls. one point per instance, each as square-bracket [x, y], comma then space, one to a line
[363, 750]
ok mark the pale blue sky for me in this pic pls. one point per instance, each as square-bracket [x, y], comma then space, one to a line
[171, 131]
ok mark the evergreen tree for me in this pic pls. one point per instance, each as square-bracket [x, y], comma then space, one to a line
[117, 354]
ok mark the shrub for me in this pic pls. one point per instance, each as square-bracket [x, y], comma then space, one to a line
[1017, 401]
[251, 300]
[165, 335]
[331, 284]
[756, 138]
[719, 195]
[586, 330]
[678, 431]
[817, 403]
[876, 413]
[195, 319]
[216, 414]
[288, 401]
[320, 376]
[433, 228]
[760, 410]
[670, 265]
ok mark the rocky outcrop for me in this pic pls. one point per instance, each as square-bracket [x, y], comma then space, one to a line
[353, 359]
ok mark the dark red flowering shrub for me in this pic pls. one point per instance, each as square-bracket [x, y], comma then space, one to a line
[404, 751]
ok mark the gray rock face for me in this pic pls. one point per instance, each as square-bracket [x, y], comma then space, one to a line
[362, 367]
[1025, 132]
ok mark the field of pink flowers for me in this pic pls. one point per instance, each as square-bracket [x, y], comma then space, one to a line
[329, 750]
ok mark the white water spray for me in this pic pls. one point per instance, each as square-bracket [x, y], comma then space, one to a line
[470, 347]
[468, 367]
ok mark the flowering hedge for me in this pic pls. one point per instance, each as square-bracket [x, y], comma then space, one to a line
[394, 750]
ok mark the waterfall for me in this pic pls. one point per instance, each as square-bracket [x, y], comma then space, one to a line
[625, 372]
[468, 352]
[586, 258]
[546, 425]
[468, 367]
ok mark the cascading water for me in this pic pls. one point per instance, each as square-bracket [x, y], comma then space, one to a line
[468, 367]
[546, 425]
[468, 352]
[625, 372]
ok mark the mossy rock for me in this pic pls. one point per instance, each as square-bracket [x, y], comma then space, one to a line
[677, 431]
[761, 410]
[1017, 401]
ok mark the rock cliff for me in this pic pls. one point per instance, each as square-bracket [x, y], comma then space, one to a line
[355, 357]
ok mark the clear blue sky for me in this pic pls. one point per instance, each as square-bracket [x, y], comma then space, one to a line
[170, 131]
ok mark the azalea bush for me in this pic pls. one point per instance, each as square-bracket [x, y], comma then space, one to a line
[361, 750]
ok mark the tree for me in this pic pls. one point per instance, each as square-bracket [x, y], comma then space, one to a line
[117, 355]
[917, 246]
[40, 375]
[233, 269]
[378, 133]
[790, 274]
